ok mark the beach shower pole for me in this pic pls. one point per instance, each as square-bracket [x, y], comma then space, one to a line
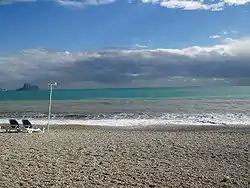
[51, 84]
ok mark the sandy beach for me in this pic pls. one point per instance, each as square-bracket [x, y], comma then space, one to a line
[81, 156]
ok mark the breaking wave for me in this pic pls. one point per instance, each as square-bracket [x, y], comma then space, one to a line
[133, 119]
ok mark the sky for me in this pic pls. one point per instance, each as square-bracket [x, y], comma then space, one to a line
[124, 43]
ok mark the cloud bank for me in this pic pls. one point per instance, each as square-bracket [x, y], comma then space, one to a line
[143, 67]
[211, 5]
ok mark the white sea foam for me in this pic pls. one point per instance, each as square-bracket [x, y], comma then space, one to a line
[167, 119]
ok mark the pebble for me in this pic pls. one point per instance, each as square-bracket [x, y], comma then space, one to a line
[124, 158]
[225, 179]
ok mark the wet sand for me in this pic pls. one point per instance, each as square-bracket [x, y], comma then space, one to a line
[82, 156]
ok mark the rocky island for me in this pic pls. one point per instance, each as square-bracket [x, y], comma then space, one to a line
[28, 87]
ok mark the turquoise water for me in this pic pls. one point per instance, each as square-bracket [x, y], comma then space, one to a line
[131, 107]
[233, 92]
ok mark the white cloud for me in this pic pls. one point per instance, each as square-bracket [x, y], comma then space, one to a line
[141, 46]
[214, 5]
[75, 3]
[214, 36]
[2, 2]
[227, 60]
[223, 34]
[228, 40]
[83, 3]
[228, 32]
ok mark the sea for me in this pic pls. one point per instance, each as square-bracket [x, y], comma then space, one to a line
[214, 106]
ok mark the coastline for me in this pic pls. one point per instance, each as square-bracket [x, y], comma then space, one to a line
[155, 128]
[95, 156]
[152, 128]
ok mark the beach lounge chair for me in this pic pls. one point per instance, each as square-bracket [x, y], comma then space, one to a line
[14, 125]
[29, 127]
[26, 123]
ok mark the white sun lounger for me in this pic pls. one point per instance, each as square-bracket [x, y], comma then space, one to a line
[29, 127]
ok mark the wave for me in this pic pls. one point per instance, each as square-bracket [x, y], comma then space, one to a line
[134, 119]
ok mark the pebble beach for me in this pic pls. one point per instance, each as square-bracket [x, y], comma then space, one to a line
[84, 156]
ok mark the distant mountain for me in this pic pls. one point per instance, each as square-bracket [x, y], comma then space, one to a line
[28, 87]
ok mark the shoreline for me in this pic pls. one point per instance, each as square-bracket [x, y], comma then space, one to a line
[161, 128]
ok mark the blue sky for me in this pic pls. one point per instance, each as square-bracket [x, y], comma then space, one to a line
[74, 27]
[119, 24]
